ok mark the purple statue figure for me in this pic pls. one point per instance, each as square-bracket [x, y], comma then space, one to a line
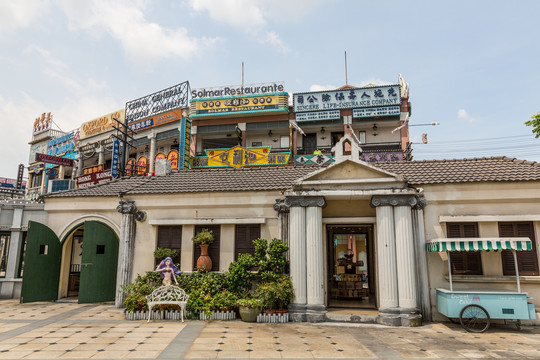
[168, 271]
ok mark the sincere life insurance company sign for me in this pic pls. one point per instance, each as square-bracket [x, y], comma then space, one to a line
[388, 95]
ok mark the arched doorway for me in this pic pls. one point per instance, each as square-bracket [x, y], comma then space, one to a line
[83, 265]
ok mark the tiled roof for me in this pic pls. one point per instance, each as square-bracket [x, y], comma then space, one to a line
[464, 170]
[282, 177]
[199, 180]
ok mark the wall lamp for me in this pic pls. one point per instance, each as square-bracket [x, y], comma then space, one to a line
[270, 133]
[375, 133]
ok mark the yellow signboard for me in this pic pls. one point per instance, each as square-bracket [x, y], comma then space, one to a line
[239, 156]
[102, 124]
[274, 102]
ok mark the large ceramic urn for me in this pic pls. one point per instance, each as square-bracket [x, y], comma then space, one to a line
[204, 263]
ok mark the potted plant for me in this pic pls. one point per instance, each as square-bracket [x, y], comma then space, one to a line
[249, 309]
[204, 238]
[276, 295]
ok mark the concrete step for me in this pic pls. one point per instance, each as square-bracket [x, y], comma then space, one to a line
[353, 316]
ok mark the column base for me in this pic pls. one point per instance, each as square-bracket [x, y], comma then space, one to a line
[297, 312]
[410, 317]
[389, 317]
[316, 313]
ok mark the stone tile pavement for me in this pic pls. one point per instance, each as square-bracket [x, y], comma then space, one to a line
[72, 331]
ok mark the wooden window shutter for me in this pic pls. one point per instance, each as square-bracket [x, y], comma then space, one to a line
[464, 262]
[213, 249]
[170, 237]
[527, 260]
[243, 239]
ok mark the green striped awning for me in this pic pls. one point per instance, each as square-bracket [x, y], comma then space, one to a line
[478, 244]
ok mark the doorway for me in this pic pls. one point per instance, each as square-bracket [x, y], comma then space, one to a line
[351, 267]
[83, 265]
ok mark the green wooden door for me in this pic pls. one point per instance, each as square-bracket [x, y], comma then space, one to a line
[41, 264]
[98, 264]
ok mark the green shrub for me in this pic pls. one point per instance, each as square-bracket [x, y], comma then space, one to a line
[240, 277]
[136, 291]
[203, 237]
[276, 295]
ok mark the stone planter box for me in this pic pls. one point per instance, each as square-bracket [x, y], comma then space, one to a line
[273, 318]
[175, 315]
[218, 315]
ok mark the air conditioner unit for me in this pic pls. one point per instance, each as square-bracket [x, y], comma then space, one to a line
[61, 185]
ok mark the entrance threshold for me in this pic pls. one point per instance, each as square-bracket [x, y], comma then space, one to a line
[365, 316]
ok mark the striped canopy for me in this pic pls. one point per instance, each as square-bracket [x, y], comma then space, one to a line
[477, 244]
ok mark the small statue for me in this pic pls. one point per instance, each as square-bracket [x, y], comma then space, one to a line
[168, 271]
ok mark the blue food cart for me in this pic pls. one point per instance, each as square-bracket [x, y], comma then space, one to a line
[476, 308]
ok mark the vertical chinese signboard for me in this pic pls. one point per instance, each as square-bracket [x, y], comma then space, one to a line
[115, 159]
[185, 136]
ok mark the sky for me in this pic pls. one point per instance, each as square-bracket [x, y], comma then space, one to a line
[472, 66]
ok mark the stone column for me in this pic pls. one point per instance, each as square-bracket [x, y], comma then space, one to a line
[406, 268]
[297, 223]
[126, 247]
[283, 223]
[386, 264]
[152, 156]
[419, 235]
[396, 266]
[316, 310]
[79, 164]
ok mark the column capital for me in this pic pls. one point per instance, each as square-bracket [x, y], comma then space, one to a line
[281, 206]
[126, 207]
[414, 201]
[305, 201]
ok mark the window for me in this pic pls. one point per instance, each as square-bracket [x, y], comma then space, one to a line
[170, 237]
[213, 249]
[243, 239]
[464, 262]
[284, 142]
[362, 137]
[4, 248]
[527, 260]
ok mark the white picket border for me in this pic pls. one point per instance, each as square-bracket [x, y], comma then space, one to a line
[274, 318]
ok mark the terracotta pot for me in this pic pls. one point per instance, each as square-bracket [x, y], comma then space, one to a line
[204, 263]
[248, 314]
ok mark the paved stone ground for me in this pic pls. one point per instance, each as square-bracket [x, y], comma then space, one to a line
[73, 331]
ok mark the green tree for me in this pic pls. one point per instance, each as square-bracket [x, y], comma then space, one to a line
[535, 123]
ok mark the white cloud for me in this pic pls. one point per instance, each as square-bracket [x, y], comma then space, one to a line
[49, 59]
[273, 39]
[317, 87]
[20, 13]
[463, 115]
[124, 20]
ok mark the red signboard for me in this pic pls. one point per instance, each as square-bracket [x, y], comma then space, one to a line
[93, 179]
[51, 159]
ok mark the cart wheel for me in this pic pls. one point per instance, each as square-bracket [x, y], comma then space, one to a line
[474, 318]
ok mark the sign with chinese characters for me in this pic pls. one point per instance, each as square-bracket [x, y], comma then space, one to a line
[237, 90]
[93, 169]
[93, 178]
[42, 123]
[382, 156]
[387, 95]
[239, 157]
[102, 124]
[273, 102]
[184, 147]
[376, 111]
[61, 144]
[157, 120]
[162, 101]
[115, 158]
[173, 158]
[318, 115]
[57, 160]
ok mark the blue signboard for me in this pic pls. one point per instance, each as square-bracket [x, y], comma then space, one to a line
[318, 115]
[115, 159]
[384, 95]
[378, 111]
